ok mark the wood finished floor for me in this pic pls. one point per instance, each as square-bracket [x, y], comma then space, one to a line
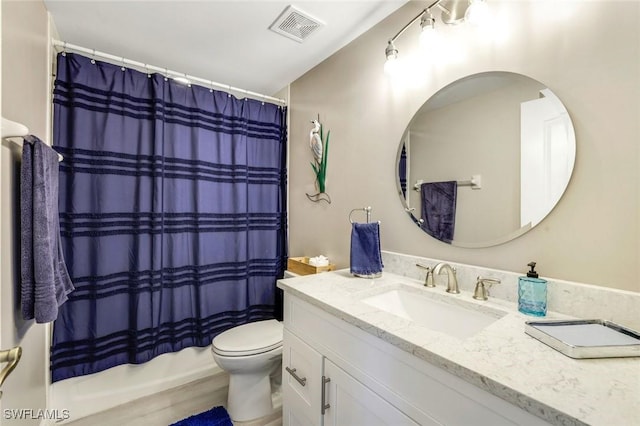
[165, 408]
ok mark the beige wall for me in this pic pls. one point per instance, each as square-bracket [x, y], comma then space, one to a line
[587, 53]
[25, 80]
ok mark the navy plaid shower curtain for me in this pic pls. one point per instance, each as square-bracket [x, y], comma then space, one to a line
[172, 213]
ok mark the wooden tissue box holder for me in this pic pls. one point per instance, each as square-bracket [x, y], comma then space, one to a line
[301, 266]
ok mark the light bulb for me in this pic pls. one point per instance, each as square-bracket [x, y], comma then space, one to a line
[428, 38]
[391, 65]
[477, 13]
[428, 34]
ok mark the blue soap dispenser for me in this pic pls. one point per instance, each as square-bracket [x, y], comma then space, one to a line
[532, 293]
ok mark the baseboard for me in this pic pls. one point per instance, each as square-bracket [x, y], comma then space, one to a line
[188, 397]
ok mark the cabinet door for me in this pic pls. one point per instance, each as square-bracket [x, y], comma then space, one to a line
[351, 403]
[301, 382]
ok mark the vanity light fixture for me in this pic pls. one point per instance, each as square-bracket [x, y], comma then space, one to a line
[428, 25]
[392, 58]
[451, 12]
[477, 12]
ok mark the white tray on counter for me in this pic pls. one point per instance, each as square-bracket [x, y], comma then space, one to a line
[586, 338]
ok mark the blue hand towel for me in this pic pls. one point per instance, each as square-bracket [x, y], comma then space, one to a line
[439, 209]
[366, 259]
[45, 280]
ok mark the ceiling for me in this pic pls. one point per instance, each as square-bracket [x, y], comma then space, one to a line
[228, 42]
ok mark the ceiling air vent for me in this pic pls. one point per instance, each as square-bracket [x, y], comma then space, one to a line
[295, 24]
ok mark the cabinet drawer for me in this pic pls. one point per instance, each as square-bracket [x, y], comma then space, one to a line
[301, 380]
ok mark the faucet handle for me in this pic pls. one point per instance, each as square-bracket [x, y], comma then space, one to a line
[428, 280]
[481, 292]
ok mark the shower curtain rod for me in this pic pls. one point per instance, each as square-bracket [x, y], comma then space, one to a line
[164, 71]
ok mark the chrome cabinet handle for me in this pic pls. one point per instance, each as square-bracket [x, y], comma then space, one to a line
[301, 380]
[323, 402]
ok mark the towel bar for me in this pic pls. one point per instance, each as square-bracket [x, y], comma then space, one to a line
[475, 183]
[13, 129]
[367, 210]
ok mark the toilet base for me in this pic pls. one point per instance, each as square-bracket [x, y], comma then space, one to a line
[273, 419]
[252, 397]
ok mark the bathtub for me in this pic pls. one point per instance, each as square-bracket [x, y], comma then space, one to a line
[86, 395]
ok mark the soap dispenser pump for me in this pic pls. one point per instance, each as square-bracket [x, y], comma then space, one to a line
[532, 293]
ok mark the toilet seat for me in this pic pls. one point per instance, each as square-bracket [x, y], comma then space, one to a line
[249, 339]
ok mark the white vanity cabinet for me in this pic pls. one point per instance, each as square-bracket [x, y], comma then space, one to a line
[349, 402]
[362, 380]
[311, 382]
[301, 382]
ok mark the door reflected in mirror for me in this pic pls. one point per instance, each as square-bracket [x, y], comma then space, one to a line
[485, 159]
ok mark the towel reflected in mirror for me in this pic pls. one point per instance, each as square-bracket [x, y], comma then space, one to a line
[439, 209]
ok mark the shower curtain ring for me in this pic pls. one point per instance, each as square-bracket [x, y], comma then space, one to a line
[93, 57]
[123, 67]
[64, 49]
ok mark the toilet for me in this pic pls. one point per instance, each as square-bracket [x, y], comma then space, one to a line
[252, 355]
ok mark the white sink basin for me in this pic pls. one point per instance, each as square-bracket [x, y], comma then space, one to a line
[452, 319]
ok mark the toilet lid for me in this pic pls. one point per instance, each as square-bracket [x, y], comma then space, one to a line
[249, 339]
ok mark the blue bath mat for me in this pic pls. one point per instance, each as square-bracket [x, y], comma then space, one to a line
[217, 416]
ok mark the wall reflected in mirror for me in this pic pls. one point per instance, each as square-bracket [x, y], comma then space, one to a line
[511, 134]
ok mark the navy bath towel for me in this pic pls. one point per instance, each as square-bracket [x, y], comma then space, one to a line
[45, 280]
[366, 259]
[439, 209]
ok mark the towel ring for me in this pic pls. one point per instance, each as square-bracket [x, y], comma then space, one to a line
[367, 210]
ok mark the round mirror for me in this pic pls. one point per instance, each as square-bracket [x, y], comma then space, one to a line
[485, 159]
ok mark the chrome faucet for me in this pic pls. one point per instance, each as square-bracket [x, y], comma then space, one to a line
[428, 280]
[481, 292]
[452, 281]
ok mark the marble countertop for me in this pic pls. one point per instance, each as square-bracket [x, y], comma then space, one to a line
[500, 359]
